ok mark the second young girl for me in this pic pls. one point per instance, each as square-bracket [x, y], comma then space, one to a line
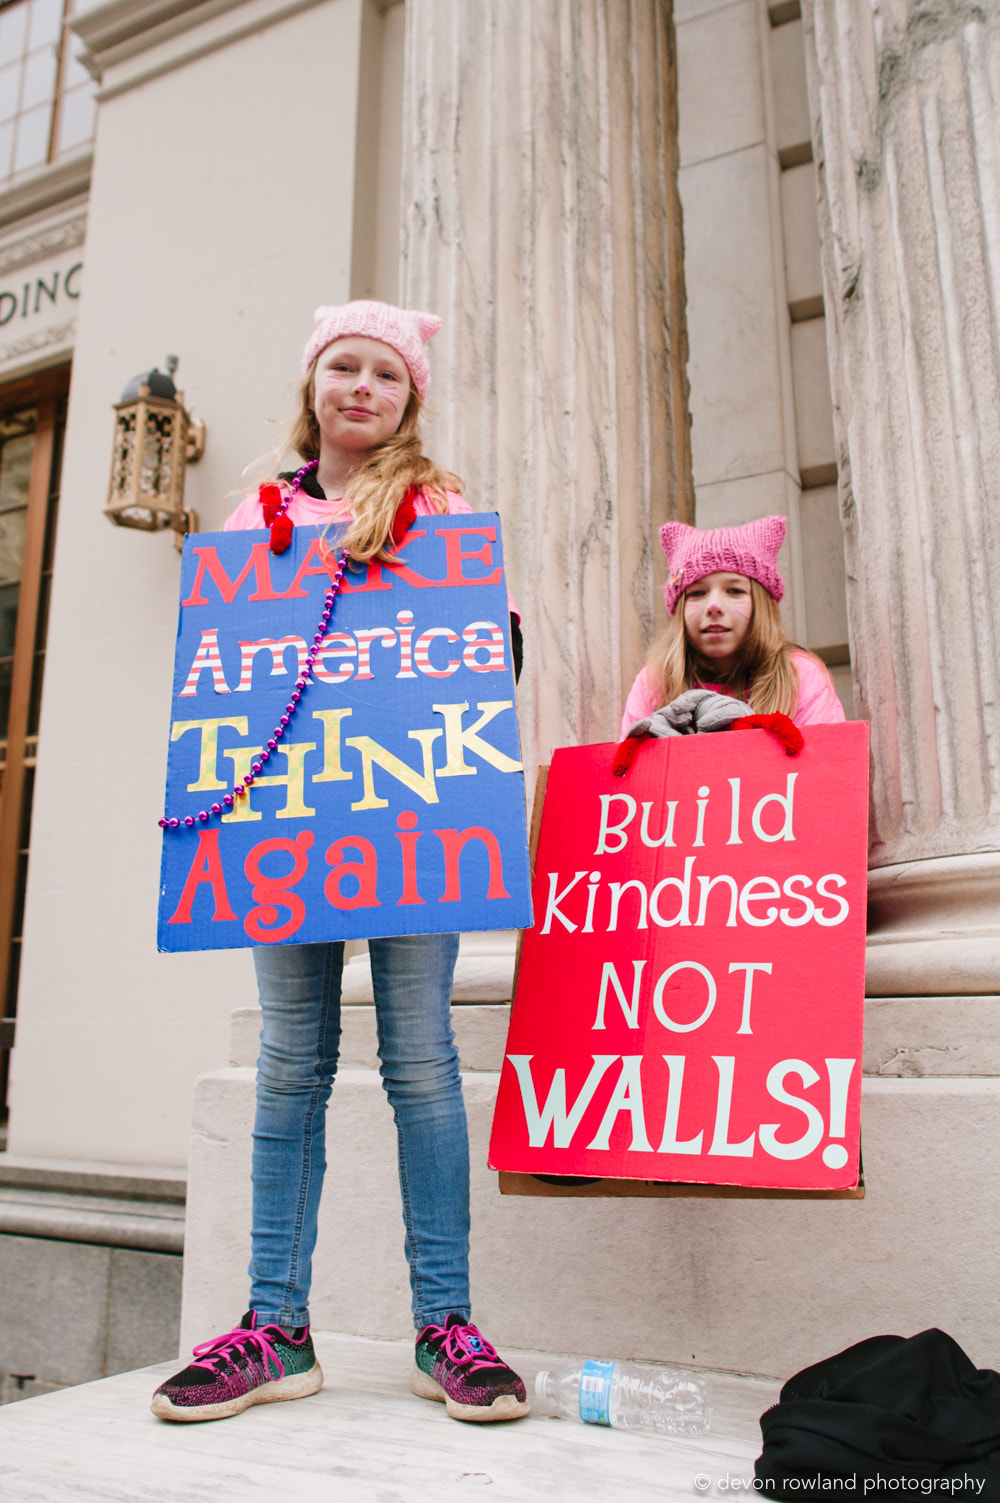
[725, 631]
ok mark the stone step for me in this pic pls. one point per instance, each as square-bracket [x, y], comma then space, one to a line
[478, 978]
[80, 1218]
[90, 1177]
[480, 998]
[484, 971]
[763, 1286]
[480, 1033]
[113, 1205]
[364, 1438]
[905, 1037]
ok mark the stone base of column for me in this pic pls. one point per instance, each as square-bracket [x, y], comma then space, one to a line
[750, 1286]
[934, 927]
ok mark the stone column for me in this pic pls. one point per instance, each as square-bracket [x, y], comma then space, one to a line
[904, 96]
[541, 221]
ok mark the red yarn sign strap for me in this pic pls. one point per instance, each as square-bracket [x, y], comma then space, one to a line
[405, 517]
[270, 499]
[689, 1003]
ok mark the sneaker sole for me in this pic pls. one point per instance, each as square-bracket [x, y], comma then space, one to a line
[294, 1386]
[504, 1407]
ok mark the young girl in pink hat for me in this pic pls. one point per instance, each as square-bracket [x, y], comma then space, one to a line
[365, 376]
[725, 631]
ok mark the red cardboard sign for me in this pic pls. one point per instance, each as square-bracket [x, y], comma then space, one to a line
[689, 1003]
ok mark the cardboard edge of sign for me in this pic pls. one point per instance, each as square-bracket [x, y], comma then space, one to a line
[628, 1189]
[574, 1187]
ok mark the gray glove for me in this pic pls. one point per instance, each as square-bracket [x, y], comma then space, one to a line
[690, 714]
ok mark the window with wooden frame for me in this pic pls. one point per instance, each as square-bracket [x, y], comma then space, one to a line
[32, 422]
[46, 94]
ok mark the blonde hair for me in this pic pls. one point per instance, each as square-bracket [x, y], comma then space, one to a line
[763, 675]
[381, 480]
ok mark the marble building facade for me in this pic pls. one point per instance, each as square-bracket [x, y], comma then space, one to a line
[712, 261]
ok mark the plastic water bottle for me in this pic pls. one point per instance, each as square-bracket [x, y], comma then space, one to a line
[669, 1400]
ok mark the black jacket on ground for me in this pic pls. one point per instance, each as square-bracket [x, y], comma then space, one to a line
[889, 1407]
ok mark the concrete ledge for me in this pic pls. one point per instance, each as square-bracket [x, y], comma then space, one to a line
[46, 188]
[363, 1438]
[480, 996]
[484, 971]
[94, 1178]
[932, 1036]
[934, 927]
[71, 1312]
[110, 1205]
[749, 1286]
[106, 1227]
[480, 1032]
[904, 1036]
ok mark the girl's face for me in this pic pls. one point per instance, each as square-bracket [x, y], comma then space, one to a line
[717, 613]
[360, 391]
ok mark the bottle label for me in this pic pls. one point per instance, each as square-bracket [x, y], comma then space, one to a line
[595, 1392]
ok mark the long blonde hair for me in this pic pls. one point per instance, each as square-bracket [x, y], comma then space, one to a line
[763, 674]
[381, 480]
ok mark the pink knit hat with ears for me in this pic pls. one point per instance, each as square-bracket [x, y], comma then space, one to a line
[403, 329]
[751, 550]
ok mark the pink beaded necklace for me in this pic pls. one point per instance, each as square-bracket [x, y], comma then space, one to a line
[281, 535]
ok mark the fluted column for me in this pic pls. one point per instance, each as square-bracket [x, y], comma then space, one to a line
[904, 96]
[542, 223]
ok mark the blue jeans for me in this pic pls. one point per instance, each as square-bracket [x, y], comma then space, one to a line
[300, 1041]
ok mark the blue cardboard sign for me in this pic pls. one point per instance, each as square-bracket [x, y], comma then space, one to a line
[393, 803]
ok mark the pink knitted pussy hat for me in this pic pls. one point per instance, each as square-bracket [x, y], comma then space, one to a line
[751, 550]
[403, 329]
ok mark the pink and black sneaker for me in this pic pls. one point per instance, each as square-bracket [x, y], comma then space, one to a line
[251, 1365]
[458, 1367]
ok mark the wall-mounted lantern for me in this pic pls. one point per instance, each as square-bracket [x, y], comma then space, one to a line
[155, 438]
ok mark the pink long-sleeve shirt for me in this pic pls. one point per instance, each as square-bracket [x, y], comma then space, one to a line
[304, 509]
[817, 702]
